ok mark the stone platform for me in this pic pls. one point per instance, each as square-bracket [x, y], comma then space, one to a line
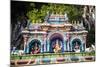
[51, 58]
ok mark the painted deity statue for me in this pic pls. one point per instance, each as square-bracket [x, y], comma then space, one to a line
[35, 49]
[76, 46]
[57, 47]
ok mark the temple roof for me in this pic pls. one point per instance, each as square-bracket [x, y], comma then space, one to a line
[56, 18]
[34, 27]
[53, 21]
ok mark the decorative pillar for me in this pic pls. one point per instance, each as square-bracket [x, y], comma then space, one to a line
[48, 45]
[25, 43]
[71, 45]
[64, 45]
[67, 38]
[44, 43]
[81, 47]
[41, 48]
[84, 44]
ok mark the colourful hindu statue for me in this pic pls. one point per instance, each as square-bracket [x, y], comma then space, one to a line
[76, 46]
[57, 47]
[35, 49]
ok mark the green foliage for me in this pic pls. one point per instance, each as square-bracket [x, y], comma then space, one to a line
[37, 15]
[28, 56]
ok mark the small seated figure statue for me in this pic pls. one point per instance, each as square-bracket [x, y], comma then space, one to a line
[57, 47]
[35, 49]
[76, 47]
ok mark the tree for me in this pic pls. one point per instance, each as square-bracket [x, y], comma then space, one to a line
[37, 15]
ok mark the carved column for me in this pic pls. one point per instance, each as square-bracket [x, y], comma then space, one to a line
[84, 38]
[44, 42]
[25, 43]
[64, 46]
[67, 44]
[48, 45]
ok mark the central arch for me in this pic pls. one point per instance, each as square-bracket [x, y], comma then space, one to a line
[56, 38]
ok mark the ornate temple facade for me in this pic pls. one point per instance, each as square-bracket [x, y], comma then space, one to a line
[56, 34]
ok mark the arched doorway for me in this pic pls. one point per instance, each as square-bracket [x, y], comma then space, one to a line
[34, 46]
[76, 45]
[56, 43]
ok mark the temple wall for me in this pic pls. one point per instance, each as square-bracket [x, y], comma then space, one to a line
[67, 38]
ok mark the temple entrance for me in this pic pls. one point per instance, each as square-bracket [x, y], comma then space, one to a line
[56, 43]
[76, 45]
[34, 46]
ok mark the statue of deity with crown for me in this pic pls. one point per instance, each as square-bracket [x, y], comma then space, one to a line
[35, 49]
[76, 46]
[57, 47]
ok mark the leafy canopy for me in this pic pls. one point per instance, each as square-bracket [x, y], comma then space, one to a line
[37, 15]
